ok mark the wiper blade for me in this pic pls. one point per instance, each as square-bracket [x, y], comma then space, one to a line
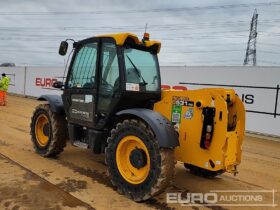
[137, 70]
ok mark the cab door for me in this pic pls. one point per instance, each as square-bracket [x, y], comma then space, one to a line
[109, 81]
[79, 95]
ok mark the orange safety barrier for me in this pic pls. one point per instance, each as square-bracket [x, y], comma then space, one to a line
[2, 98]
[165, 87]
[179, 87]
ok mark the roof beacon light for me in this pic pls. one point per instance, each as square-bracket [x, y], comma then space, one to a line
[146, 37]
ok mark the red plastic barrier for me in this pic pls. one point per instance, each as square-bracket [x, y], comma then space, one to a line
[165, 87]
[178, 87]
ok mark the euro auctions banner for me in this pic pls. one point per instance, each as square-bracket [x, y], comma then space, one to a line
[33, 81]
[258, 87]
[39, 81]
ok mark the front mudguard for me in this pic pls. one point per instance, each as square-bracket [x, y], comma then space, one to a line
[161, 126]
[55, 102]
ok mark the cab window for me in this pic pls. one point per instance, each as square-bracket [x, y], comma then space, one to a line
[84, 67]
[141, 70]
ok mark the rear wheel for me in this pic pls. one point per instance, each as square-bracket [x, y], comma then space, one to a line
[48, 131]
[137, 166]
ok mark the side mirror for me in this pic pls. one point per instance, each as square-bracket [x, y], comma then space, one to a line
[58, 84]
[63, 48]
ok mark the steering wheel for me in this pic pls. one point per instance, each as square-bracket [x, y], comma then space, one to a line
[90, 84]
[105, 83]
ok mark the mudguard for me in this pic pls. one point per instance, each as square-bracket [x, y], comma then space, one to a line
[161, 126]
[55, 102]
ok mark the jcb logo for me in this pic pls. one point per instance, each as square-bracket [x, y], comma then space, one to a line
[44, 82]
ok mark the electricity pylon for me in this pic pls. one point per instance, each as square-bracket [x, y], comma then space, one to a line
[251, 52]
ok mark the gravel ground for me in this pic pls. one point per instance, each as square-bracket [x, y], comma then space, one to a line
[77, 178]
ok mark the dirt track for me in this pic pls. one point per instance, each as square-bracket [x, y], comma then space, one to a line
[77, 178]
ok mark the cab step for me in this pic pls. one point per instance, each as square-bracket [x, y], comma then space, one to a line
[80, 144]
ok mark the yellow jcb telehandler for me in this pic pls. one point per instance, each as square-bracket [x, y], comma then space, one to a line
[112, 102]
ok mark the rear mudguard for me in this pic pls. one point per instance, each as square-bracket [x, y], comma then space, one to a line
[162, 127]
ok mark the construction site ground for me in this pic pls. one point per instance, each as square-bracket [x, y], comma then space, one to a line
[77, 179]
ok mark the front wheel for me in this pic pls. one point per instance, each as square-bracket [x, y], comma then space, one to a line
[137, 166]
[48, 131]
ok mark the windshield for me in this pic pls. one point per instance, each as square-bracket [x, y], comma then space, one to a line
[141, 70]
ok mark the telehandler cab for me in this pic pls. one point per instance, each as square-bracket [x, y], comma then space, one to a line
[112, 102]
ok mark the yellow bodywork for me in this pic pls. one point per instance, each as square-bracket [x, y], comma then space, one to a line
[229, 126]
[120, 39]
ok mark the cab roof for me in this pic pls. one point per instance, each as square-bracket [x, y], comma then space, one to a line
[120, 39]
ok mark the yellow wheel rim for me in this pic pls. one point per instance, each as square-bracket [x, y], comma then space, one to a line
[42, 130]
[125, 148]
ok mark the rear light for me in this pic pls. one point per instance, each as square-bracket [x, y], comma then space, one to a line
[207, 129]
[208, 136]
[207, 141]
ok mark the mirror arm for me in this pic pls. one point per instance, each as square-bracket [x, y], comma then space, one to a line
[58, 84]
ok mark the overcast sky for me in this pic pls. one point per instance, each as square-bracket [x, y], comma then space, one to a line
[192, 32]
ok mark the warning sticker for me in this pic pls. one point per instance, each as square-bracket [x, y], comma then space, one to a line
[189, 114]
[176, 114]
[132, 86]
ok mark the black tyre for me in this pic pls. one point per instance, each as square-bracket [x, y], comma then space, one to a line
[48, 131]
[203, 172]
[137, 166]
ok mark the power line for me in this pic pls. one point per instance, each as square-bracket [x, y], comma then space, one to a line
[269, 44]
[157, 26]
[202, 51]
[98, 12]
[38, 34]
[200, 35]
[268, 62]
[26, 51]
[270, 52]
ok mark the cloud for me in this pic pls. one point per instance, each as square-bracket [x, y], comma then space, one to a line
[192, 32]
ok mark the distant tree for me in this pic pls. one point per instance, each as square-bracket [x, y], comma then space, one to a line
[8, 65]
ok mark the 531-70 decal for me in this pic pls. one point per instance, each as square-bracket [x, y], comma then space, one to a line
[182, 101]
